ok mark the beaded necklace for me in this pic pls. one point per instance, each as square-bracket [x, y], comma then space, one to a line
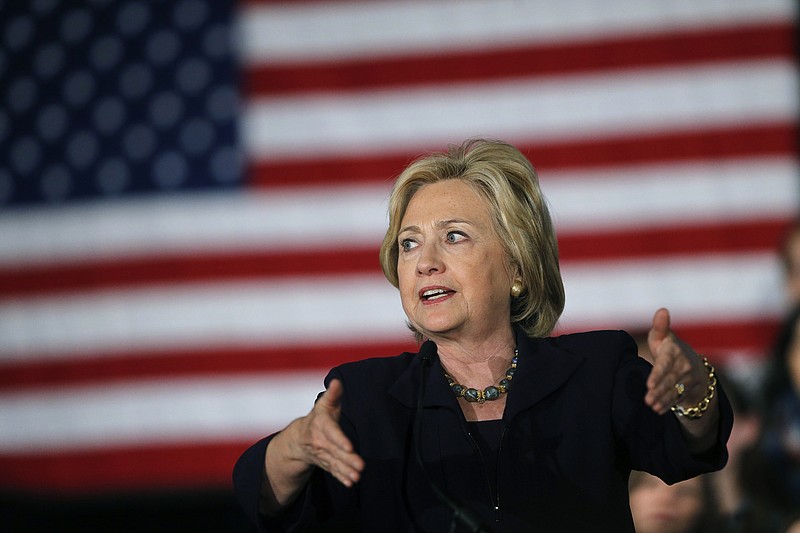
[489, 393]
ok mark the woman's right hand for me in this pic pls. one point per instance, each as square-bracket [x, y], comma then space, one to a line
[315, 440]
[321, 441]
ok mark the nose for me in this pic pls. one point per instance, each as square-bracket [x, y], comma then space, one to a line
[429, 260]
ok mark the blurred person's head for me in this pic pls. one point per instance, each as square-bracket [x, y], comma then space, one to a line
[732, 489]
[783, 368]
[790, 257]
[683, 507]
[746, 418]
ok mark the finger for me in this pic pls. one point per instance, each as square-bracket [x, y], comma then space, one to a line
[663, 363]
[659, 331]
[661, 395]
[662, 379]
[332, 433]
[329, 448]
[664, 394]
[350, 464]
[340, 460]
[346, 468]
[662, 389]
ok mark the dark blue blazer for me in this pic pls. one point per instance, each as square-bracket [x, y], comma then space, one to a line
[575, 426]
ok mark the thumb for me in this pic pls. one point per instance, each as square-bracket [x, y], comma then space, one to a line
[332, 398]
[659, 331]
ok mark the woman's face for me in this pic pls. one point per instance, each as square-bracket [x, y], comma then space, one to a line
[451, 266]
[661, 508]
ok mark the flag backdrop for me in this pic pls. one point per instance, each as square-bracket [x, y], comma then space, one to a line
[192, 196]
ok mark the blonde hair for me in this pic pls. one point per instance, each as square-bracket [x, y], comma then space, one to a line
[508, 182]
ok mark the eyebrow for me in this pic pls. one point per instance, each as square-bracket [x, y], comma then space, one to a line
[440, 224]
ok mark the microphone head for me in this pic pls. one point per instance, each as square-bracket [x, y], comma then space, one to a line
[428, 353]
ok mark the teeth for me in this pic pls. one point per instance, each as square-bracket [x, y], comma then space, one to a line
[433, 292]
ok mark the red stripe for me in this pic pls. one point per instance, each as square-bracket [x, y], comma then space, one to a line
[750, 140]
[720, 238]
[43, 280]
[721, 340]
[154, 467]
[683, 48]
[38, 280]
[85, 369]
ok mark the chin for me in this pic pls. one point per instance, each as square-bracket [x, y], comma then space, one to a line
[429, 329]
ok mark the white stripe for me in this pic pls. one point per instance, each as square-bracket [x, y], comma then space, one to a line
[581, 201]
[194, 223]
[677, 195]
[284, 33]
[285, 312]
[562, 108]
[331, 310]
[714, 288]
[154, 412]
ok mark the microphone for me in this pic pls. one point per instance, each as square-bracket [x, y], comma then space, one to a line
[461, 514]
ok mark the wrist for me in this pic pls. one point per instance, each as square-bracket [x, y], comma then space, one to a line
[699, 409]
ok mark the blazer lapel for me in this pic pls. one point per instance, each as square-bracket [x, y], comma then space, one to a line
[542, 369]
[437, 392]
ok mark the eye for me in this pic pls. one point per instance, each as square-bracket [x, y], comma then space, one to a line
[407, 244]
[455, 236]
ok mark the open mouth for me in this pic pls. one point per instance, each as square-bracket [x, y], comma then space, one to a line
[434, 294]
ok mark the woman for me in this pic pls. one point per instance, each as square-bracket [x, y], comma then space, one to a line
[492, 423]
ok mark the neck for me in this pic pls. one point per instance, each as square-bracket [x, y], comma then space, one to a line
[476, 349]
[478, 366]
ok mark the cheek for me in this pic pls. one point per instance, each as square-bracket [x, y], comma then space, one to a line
[404, 275]
[407, 288]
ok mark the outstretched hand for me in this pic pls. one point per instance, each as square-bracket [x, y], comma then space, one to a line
[315, 440]
[321, 441]
[675, 363]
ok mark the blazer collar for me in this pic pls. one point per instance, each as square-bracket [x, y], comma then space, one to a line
[541, 370]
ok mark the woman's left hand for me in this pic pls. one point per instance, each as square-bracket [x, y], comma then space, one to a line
[676, 367]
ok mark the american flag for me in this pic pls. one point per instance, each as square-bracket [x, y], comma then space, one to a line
[192, 196]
